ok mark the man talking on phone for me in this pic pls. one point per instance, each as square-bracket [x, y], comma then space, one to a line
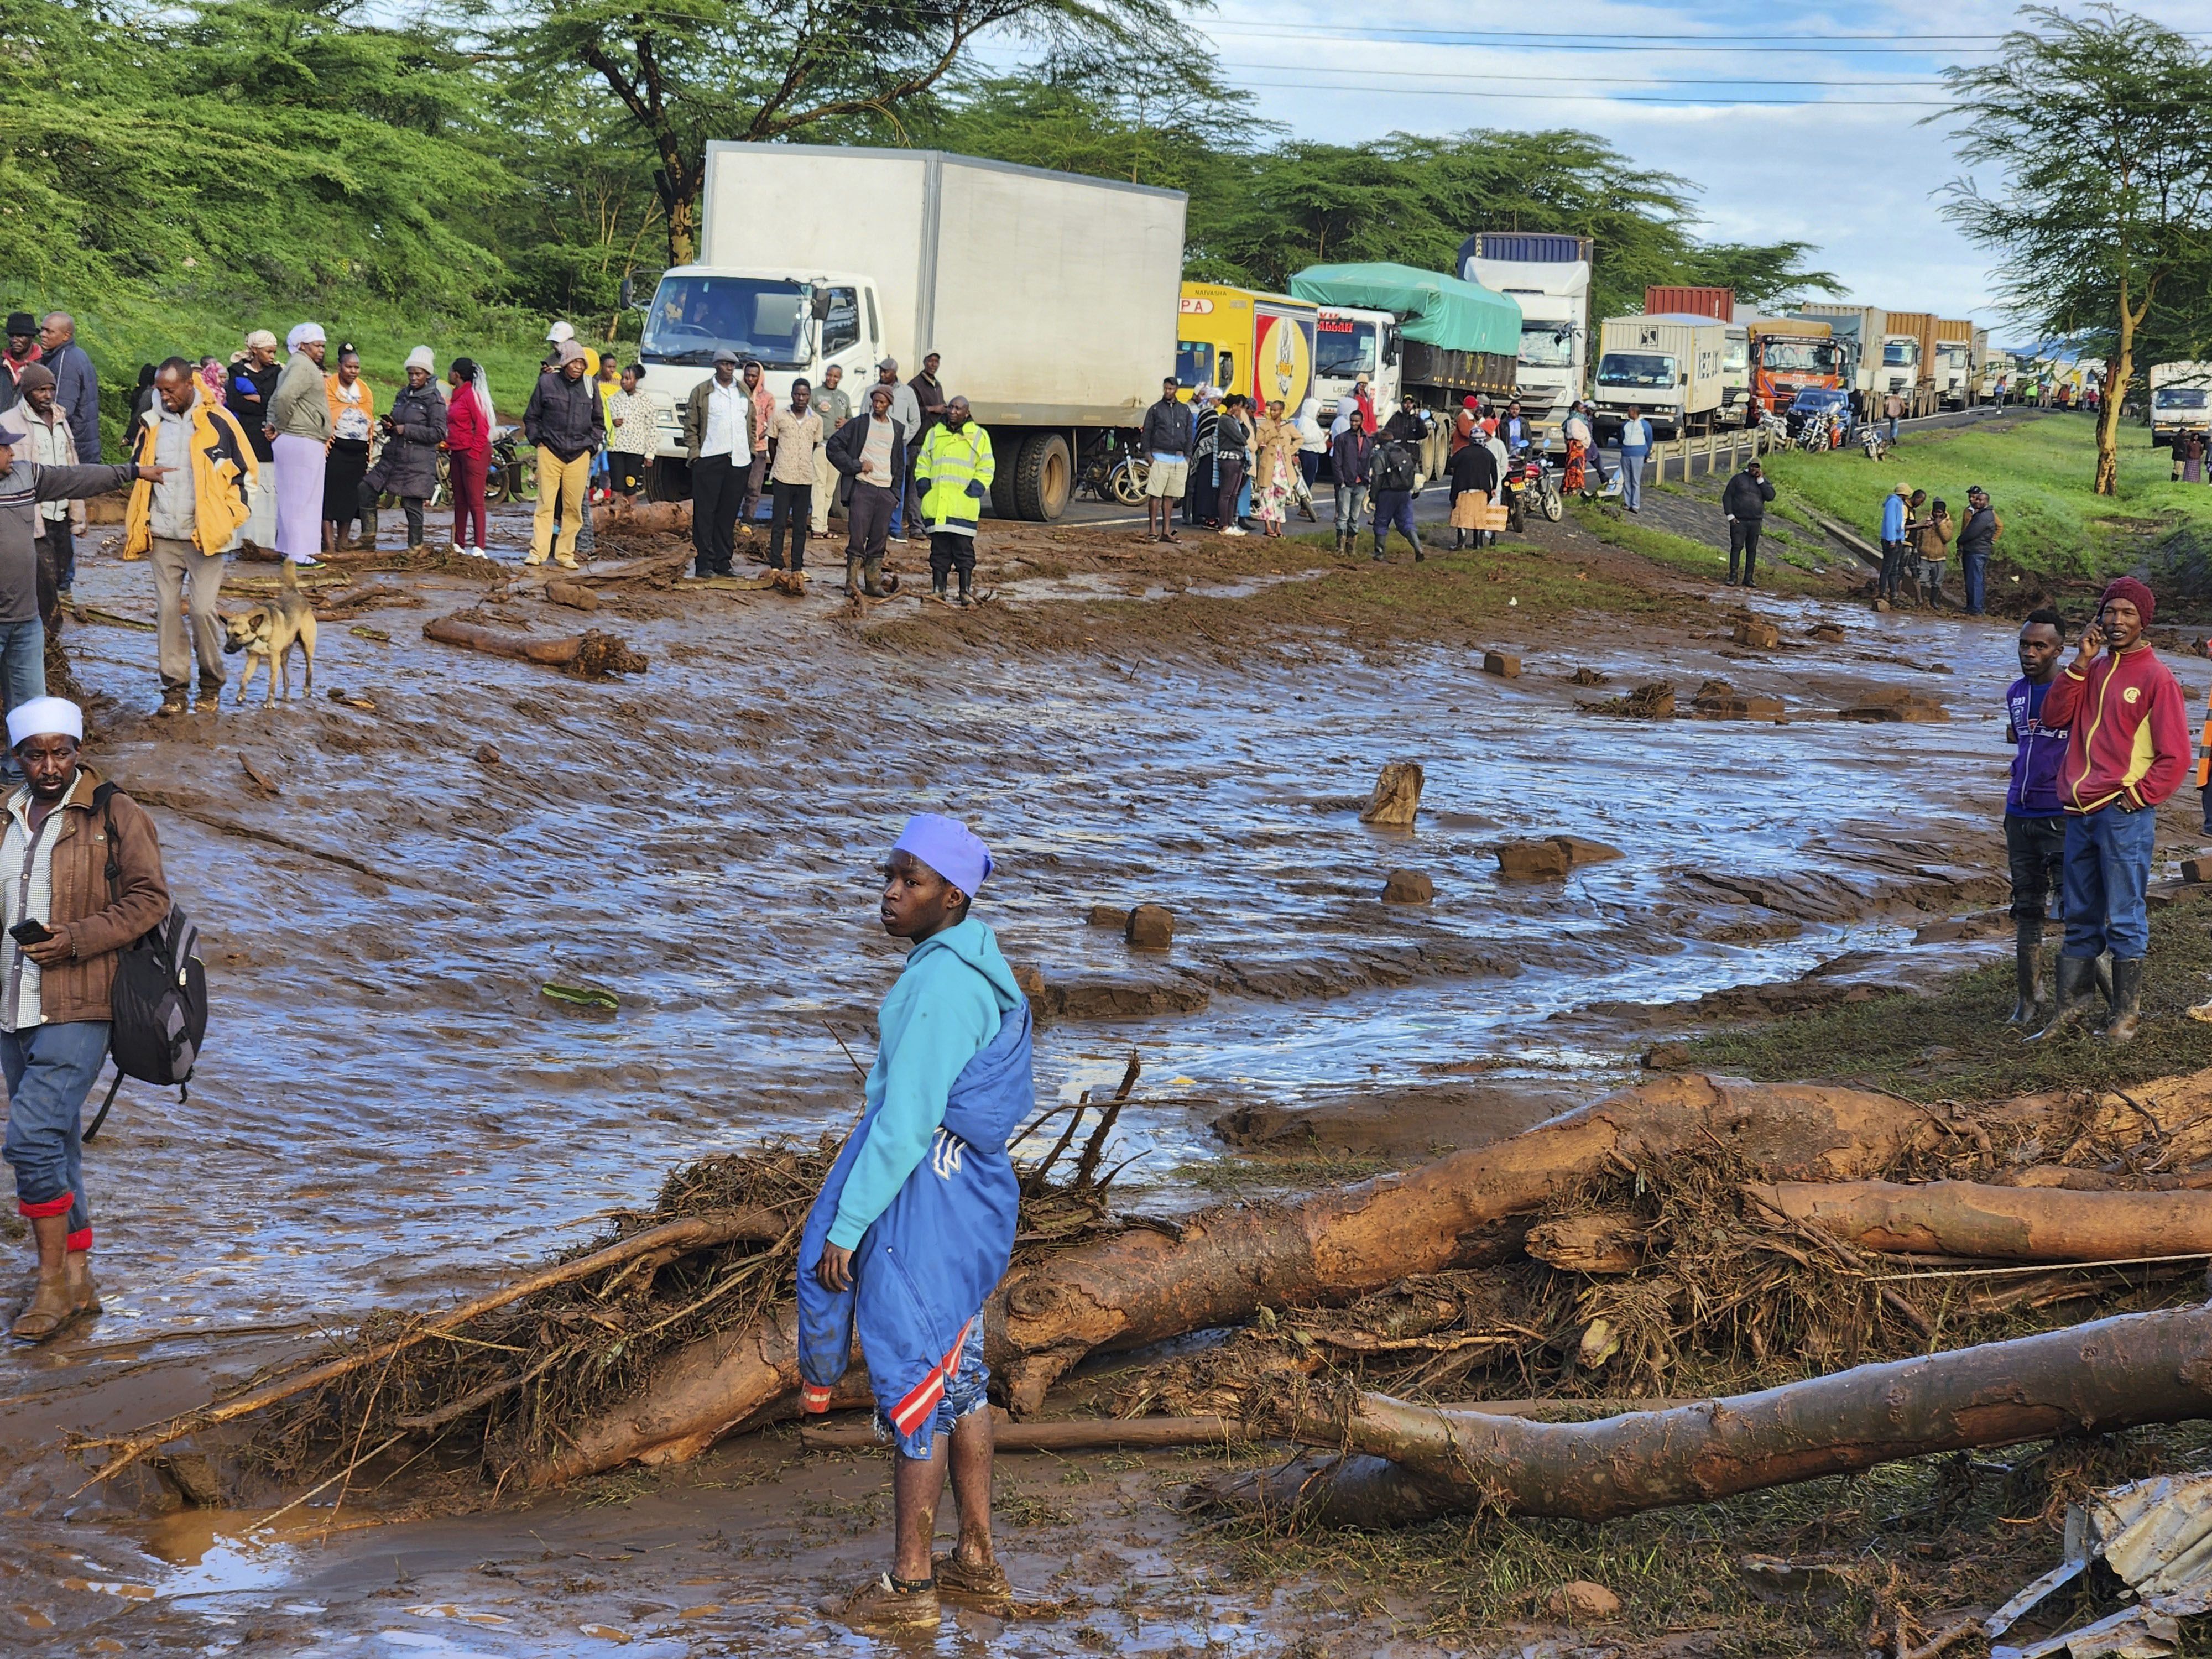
[2127, 750]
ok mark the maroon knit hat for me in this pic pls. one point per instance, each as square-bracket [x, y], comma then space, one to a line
[2128, 588]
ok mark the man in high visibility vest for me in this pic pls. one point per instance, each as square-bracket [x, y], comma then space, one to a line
[955, 464]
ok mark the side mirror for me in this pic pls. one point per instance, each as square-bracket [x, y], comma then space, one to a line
[821, 304]
[629, 293]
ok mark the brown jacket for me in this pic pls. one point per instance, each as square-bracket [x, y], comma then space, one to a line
[101, 922]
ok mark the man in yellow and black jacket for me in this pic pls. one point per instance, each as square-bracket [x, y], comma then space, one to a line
[955, 464]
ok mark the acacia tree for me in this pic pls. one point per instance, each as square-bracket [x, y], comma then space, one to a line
[687, 72]
[2093, 127]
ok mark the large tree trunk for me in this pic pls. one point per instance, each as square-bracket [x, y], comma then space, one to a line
[1218, 1266]
[1415, 1462]
[2005, 1224]
[2117, 376]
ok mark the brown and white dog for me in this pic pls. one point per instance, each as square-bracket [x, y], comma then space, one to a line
[267, 633]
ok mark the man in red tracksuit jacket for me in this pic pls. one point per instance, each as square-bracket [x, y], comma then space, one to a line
[2128, 750]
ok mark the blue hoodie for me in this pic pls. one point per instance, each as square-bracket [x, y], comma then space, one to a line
[924, 1194]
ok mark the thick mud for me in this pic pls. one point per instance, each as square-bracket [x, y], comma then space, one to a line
[392, 1108]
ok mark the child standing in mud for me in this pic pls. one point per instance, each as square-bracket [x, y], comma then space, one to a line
[915, 1225]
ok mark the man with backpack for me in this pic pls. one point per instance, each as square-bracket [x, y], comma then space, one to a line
[1397, 464]
[80, 876]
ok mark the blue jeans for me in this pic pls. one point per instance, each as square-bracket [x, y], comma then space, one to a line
[1393, 510]
[1976, 568]
[2108, 873]
[49, 1070]
[22, 661]
[964, 1392]
[1632, 478]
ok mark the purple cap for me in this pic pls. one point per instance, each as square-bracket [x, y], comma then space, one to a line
[948, 846]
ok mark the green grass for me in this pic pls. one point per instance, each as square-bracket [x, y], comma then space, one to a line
[1681, 553]
[2037, 471]
[1955, 1045]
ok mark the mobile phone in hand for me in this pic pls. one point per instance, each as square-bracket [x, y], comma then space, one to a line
[30, 932]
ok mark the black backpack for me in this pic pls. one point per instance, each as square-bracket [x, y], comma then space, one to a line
[158, 1009]
[1394, 466]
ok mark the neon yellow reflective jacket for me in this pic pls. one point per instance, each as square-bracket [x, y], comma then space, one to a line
[951, 461]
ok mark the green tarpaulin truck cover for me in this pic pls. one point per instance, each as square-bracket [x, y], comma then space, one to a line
[1436, 310]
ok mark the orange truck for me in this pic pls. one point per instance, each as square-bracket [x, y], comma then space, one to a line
[1790, 354]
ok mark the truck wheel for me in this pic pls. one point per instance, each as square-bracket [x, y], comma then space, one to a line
[1006, 449]
[1044, 478]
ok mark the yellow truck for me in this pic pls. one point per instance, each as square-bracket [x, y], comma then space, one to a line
[1238, 339]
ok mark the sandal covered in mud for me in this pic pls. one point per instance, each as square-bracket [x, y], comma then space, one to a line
[986, 1586]
[883, 1603]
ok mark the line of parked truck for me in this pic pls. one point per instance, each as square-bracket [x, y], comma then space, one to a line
[1057, 303]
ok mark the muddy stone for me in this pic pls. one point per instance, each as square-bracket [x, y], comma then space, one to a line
[1737, 705]
[1150, 928]
[1397, 797]
[1888, 704]
[1583, 1600]
[1533, 860]
[1501, 663]
[1588, 676]
[1107, 915]
[1408, 887]
[2196, 871]
[1826, 633]
[486, 755]
[1758, 635]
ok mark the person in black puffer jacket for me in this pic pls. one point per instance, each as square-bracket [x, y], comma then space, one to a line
[1745, 502]
[414, 427]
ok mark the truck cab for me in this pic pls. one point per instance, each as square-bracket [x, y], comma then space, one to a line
[1786, 362]
[1900, 365]
[1348, 344]
[1737, 406]
[1954, 373]
[1554, 345]
[794, 325]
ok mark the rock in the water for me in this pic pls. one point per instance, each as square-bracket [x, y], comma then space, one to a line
[1408, 887]
[1501, 663]
[1880, 605]
[1826, 633]
[1758, 635]
[1397, 796]
[1580, 852]
[1582, 1600]
[1533, 860]
[1108, 916]
[1150, 927]
[486, 755]
[1737, 705]
[1892, 703]
[2196, 870]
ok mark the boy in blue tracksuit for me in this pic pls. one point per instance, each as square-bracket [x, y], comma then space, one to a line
[916, 1224]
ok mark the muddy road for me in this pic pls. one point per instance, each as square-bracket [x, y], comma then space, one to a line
[391, 1110]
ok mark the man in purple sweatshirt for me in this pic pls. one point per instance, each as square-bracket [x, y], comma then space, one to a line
[2035, 820]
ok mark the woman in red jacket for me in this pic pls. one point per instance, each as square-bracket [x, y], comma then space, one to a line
[468, 450]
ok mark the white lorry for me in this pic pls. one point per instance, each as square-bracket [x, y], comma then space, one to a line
[1550, 277]
[2180, 400]
[1051, 298]
[1669, 366]
[1349, 343]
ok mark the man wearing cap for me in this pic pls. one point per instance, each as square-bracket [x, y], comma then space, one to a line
[413, 432]
[77, 383]
[564, 423]
[1978, 539]
[53, 444]
[915, 1225]
[252, 392]
[906, 410]
[300, 429]
[2127, 750]
[64, 834]
[22, 349]
[199, 472]
[717, 426]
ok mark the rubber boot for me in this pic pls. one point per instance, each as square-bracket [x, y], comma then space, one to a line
[2127, 999]
[937, 586]
[1418, 555]
[2027, 969]
[966, 581]
[871, 580]
[2105, 977]
[51, 1307]
[2077, 989]
[77, 1279]
[852, 574]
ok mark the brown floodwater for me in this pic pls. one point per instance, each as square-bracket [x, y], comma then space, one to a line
[390, 1109]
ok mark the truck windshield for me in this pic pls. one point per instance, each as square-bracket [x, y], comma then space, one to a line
[1735, 358]
[694, 317]
[1899, 353]
[1635, 368]
[1194, 363]
[1547, 345]
[1343, 348]
[2178, 397]
[1799, 357]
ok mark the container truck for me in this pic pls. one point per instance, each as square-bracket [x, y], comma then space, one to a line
[1718, 303]
[1239, 340]
[1548, 278]
[1787, 356]
[2180, 400]
[1955, 359]
[1455, 336]
[1859, 330]
[1051, 298]
[1908, 347]
[1669, 366]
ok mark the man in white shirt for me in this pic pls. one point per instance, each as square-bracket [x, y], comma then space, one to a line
[906, 410]
[717, 426]
[1635, 446]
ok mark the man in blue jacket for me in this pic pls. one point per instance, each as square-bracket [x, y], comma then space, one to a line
[914, 1226]
[2035, 818]
[1893, 516]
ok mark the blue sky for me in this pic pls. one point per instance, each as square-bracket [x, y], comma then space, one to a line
[1796, 121]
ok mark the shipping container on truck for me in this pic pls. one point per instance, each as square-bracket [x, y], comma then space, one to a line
[1457, 337]
[1718, 303]
[2180, 400]
[1238, 339]
[1548, 276]
[1789, 355]
[1669, 366]
[1050, 298]
[1954, 359]
[1860, 328]
[1908, 352]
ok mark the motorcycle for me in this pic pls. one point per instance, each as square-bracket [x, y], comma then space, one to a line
[1815, 434]
[1530, 483]
[510, 476]
[1116, 469]
[1872, 441]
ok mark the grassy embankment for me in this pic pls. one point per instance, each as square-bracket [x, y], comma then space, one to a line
[1778, 571]
[2038, 470]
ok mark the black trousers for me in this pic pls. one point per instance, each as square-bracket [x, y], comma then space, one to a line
[716, 487]
[2036, 850]
[868, 521]
[949, 552]
[791, 504]
[1743, 541]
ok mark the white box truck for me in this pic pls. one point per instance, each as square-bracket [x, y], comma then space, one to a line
[1550, 277]
[2180, 400]
[1669, 366]
[1051, 298]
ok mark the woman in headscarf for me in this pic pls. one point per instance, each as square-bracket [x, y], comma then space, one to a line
[353, 419]
[468, 450]
[300, 426]
[1198, 506]
[413, 432]
[1313, 444]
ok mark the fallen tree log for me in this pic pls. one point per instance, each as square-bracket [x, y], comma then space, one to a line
[674, 518]
[592, 653]
[2112, 1374]
[1219, 1266]
[2005, 1224]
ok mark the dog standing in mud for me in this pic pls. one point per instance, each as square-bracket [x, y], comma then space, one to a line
[267, 633]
